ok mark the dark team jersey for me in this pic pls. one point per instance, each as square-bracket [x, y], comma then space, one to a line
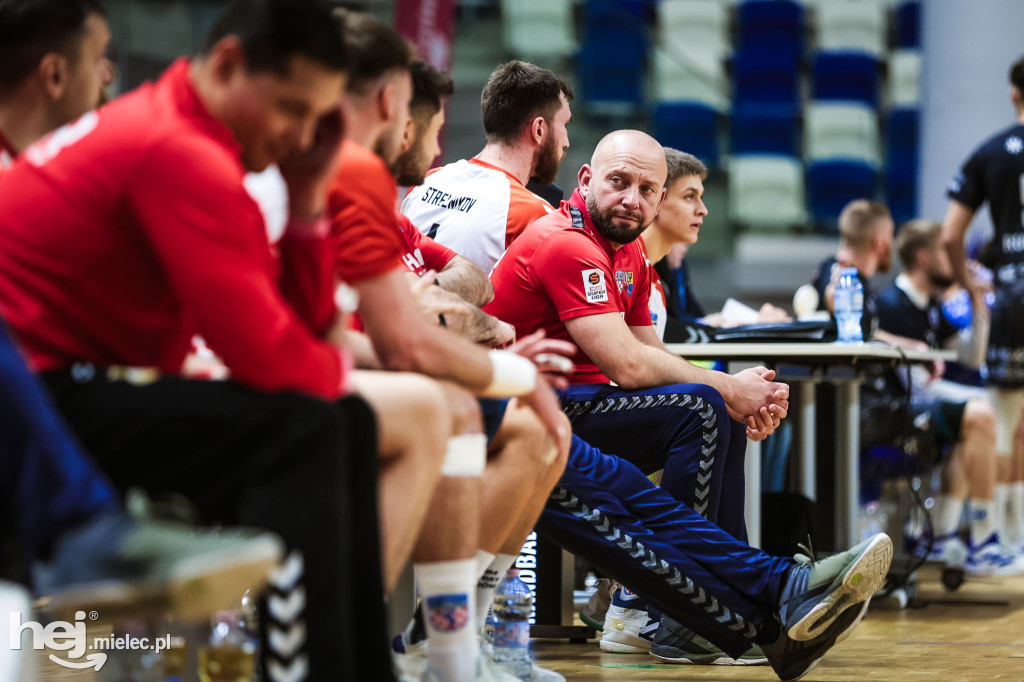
[898, 315]
[824, 274]
[995, 173]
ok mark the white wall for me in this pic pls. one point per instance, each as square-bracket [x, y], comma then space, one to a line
[968, 47]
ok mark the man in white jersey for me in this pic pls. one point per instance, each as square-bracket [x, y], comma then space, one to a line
[477, 207]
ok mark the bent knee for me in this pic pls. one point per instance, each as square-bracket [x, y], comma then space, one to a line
[464, 409]
[708, 394]
[981, 415]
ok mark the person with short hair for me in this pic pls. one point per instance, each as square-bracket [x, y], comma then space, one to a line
[460, 286]
[666, 242]
[992, 174]
[70, 523]
[955, 417]
[53, 67]
[477, 515]
[477, 207]
[127, 233]
[866, 232]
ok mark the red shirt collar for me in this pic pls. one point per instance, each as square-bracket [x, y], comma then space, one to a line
[178, 80]
[577, 201]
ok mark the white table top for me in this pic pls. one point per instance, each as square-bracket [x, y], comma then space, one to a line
[798, 351]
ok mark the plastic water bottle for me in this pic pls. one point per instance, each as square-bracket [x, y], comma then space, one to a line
[849, 306]
[512, 604]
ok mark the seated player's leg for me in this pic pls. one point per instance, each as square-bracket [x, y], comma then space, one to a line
[446, 550]
[684, 429]
[413, 427]
[524, 466]
[977, 450]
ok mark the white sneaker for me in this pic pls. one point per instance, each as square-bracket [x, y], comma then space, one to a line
[627, 631]
[949, 550]
[411, 665]
[992, 557]
[486, 671]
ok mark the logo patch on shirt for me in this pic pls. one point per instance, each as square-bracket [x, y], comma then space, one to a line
[1014, 145]
[594, 286]
[624, 280]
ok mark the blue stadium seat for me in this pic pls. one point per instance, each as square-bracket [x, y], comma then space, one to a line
[902, 127]
[614, 10]
[908, 24]
[772, 25]
[833, 184]
[764, 129]
[612, 80]
[901, 164]
[766, 77]
[845, 76]
[611, 83]
[690, 127]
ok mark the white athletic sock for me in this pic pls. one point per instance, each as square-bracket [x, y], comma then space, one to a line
[449, 609]
[488, 581]
[1015, 512]
[999, 504]
[982, 523]
[946, 515]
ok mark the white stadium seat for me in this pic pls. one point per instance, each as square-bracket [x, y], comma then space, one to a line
[766, 191]
[841, 130]
[851, 26]
[538, 28]
[904, 82]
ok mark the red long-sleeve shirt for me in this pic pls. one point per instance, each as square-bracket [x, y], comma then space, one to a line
[127, 232]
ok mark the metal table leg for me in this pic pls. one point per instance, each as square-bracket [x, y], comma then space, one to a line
[847, 460]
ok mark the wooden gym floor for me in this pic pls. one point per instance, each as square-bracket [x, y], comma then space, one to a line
[949, 639]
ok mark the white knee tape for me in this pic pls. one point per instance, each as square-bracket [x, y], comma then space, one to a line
[512, 375]
[466, 456]
[1008, 405]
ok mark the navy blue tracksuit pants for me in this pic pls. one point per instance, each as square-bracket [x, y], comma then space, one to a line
[50, 485]
[607, 511]
[684, 429]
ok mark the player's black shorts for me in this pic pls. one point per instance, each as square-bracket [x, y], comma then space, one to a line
[493, 412]
[928, 433]
[1005, 357]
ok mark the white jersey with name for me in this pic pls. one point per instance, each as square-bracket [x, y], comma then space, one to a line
[474, 208]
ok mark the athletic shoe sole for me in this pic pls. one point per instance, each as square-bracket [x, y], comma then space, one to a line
[722, 659]
[860, 581]
[613, 647]
[827, 643]
[199, 587]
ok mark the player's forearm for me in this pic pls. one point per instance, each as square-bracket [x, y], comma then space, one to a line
[971, 343]
[467, 281]
[476, 326]
[438, 353]
[653, 366]
[958, 260]
[954, 228]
